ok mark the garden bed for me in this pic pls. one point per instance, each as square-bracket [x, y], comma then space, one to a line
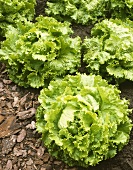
[20, 145]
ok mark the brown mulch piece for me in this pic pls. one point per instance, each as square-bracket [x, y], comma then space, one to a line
[20, 145]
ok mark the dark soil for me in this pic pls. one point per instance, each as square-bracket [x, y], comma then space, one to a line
[20, 145]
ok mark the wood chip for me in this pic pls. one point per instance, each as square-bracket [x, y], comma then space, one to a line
[31, 126]
[26, 114]
[21, 136]
[7, 81]
[29, 162]
[8, 144]
[9, 165]
[1, 118]
[16, 102]
[40, 151]
[9, 127]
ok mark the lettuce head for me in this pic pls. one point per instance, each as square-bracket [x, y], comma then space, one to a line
[35, 53]
[83, 120]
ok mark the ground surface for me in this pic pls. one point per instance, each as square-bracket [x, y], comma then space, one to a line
[20, 144]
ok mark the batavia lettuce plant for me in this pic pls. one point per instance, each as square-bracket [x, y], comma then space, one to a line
[121, 9]
[109, 52]
[89, 11]
[83, 120]
[80, 11]
[12, 11]
[35, 53]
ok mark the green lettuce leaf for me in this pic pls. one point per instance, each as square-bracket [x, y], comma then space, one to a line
[83, 120]
[15, 11]
[79, 11]
[109, 52]
[89, 11]
[35, 53]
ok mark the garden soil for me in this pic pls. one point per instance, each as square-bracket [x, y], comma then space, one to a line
[20, 145]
